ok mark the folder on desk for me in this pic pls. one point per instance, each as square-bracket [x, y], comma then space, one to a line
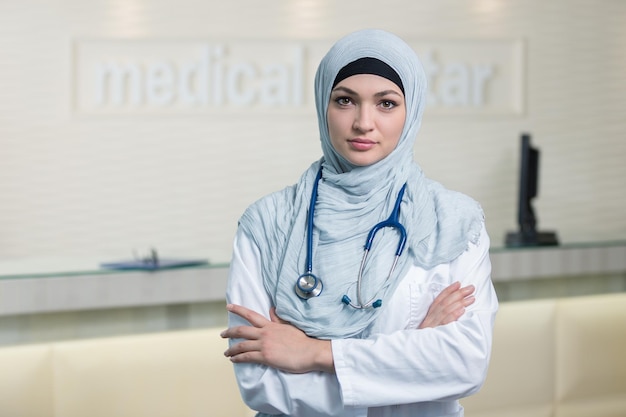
[144, 265]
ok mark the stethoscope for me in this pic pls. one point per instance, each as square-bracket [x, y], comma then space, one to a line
[308, 285]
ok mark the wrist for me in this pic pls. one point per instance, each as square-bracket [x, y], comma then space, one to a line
[323, 359]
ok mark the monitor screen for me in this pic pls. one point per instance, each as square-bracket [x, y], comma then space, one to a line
[528, 187]
[528, 190]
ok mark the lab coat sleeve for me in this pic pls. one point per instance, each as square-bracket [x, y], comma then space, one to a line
[414, 365]
[263, 388]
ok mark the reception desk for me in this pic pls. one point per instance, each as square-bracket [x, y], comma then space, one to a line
[34, 291]
[98, 289]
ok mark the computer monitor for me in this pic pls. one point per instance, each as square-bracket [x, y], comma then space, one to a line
[527, 235]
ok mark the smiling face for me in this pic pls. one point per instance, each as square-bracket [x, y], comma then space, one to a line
[366, 116]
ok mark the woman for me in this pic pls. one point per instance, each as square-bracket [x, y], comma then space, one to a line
[318, 326]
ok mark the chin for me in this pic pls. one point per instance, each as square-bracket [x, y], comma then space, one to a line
[363, 161]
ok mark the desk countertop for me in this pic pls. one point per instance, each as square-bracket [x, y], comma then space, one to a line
[52, 285]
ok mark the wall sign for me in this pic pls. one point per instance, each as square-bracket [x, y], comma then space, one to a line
[176, 77]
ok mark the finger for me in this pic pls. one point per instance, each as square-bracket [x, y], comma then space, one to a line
[242, 347]
[276, 318]
[454, 294]
[468, 290]
[458, 310]
[241, 332]
[455, 290]
[468, 301]
[455, 315]
[251, 316]
[446, 293]
[451, 306]
[249, 357]
[446, 299]
[460, 304]
[450, 289]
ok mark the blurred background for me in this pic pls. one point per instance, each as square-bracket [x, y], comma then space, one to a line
[130, 124]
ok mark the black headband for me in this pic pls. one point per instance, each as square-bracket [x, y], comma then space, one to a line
[369, 65]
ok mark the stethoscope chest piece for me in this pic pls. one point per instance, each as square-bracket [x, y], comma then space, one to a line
[308, 286]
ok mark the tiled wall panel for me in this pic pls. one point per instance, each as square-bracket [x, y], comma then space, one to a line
[80, 185]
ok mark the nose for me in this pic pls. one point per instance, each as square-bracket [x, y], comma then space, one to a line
[364, 119]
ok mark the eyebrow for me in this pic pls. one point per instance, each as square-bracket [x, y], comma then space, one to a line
[379, 94]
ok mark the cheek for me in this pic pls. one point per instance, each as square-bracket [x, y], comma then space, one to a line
[332, 130]
[398, 127]
[335, 126]
[393, 131]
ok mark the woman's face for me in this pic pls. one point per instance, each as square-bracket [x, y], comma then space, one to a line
[365, 118]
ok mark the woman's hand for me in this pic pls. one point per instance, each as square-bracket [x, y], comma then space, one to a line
[449, 305]
[276, 343]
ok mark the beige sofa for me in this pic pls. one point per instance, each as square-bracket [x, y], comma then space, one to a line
[562, 358]
[174, 374]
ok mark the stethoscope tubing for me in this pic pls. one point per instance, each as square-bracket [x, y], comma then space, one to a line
[311, 215]
[308, 285]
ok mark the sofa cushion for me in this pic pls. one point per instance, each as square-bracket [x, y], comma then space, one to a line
[181, 374]
[26, 381]
[520, 380]
[590, 364]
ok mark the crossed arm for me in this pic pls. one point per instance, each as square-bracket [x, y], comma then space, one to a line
[280, 345]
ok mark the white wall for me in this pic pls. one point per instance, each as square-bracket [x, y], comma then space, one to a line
[98, 185]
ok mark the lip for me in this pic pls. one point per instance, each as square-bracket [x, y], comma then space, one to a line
[361, 144]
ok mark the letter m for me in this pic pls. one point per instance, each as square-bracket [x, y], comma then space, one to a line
[118, 84]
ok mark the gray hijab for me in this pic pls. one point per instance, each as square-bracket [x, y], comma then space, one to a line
[351, 200]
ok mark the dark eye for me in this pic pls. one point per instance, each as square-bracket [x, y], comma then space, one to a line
[387, 104]
[343, 101]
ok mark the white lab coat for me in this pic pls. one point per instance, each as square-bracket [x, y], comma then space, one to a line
[393, 369]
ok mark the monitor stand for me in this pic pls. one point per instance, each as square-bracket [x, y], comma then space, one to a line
[533, 238]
